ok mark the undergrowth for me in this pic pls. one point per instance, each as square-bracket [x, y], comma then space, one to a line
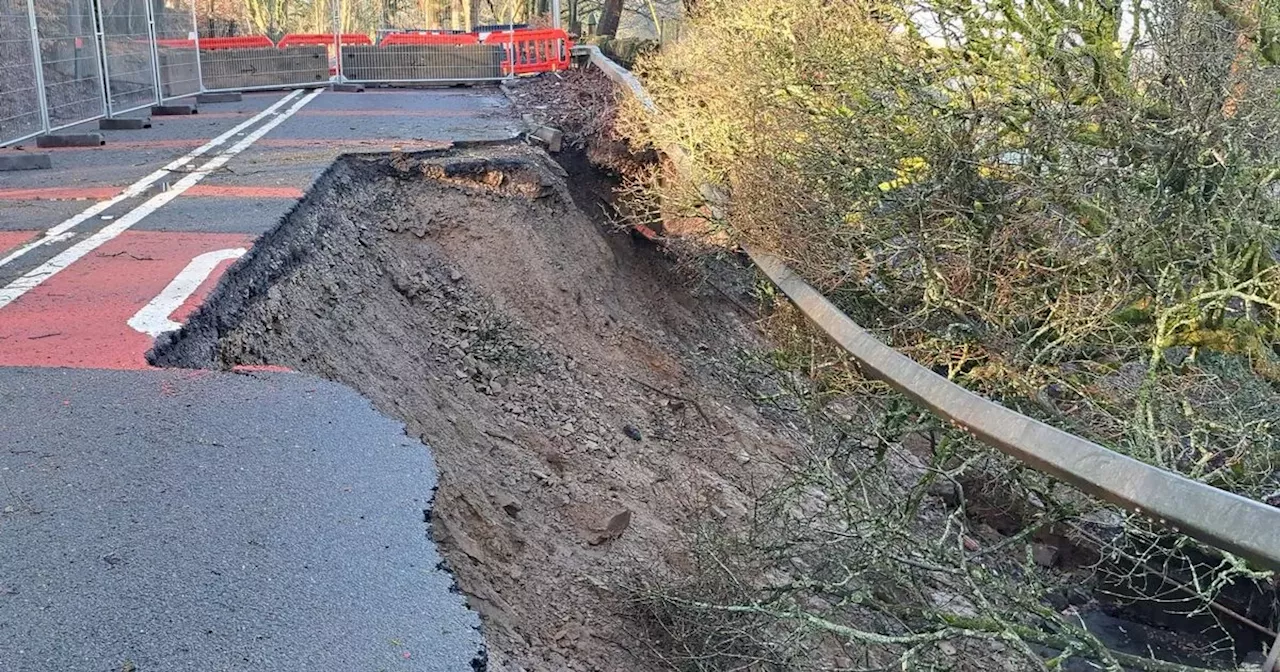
[1069, 207]
[1040, 211]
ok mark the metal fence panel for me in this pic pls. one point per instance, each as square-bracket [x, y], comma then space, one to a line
[430, 41]
[238, 68]
[241, 50]
[177, 58]
[422, 62]
[19, 95]
[64, 62]
[128, 54]
[69, 61]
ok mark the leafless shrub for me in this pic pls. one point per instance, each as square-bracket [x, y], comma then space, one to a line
[1069, 207]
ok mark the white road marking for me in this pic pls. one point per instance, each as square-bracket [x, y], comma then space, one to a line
[37, 275]
[137, 188]
[153, 319]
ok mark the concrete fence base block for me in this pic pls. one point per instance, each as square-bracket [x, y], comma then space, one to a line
[124, 123]
[553, 138]
[173, 110]
[221, 97]
[71, 140]
[25, 162]
[347, 88]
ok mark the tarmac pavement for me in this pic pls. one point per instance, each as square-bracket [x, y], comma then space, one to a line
[191, 520]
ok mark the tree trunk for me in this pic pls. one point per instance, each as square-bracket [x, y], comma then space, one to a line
[609, 18]
[1245, 16]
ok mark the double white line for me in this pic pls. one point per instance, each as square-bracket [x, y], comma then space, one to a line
[33, 278]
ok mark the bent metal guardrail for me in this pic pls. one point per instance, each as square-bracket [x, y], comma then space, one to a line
[1225, 520]
[1228, 521]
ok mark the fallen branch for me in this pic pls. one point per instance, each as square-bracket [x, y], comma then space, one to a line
[954, 627]
[1064, 643]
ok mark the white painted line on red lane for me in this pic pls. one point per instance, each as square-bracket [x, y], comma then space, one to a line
[59, 232]
[153, 319]
[32, 279]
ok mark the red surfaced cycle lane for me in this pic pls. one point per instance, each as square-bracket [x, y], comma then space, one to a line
[81, 316]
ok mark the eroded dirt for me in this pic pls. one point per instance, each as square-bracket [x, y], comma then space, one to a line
[585, 402]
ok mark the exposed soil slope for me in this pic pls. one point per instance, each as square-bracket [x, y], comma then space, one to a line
[584, 402]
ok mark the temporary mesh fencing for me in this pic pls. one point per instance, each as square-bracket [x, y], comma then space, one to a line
[71, 61]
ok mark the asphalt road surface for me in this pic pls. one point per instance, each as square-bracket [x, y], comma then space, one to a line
[191, 520]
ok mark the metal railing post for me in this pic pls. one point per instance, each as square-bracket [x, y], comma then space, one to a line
[155, 52]
[95, 15]
[511, 41]
[339, 76]
[195, 37]
[100, 29]
[39, 66]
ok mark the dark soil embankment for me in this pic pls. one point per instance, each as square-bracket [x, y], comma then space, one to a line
[584, 402]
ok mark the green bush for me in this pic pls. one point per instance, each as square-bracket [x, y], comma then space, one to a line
[1070, 206]
[1058, 203]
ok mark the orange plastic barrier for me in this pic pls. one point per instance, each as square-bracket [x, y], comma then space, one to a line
[429, 38]
[176, 43]
[542, 50]
[246, 42]
[321, 39]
